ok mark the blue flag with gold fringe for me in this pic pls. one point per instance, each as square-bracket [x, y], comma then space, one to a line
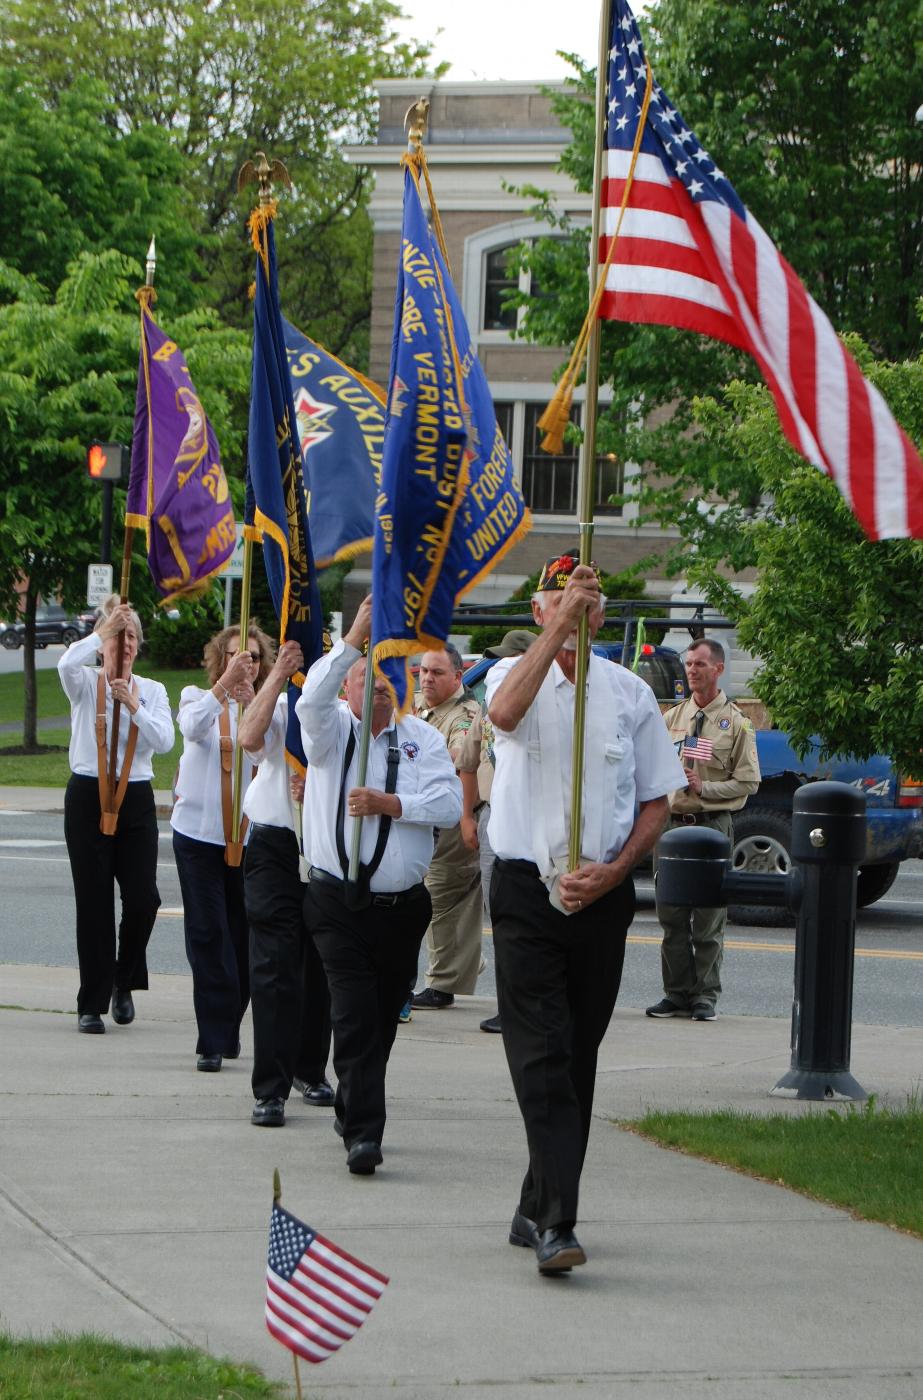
[340, 418]
[274, 475]
[449, 506]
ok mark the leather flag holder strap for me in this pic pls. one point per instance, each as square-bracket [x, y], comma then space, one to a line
[357, 893]
[233, 850]
[109, 801]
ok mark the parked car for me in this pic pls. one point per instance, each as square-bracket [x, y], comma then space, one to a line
[52, 624]
[661, 667]
[763, 829]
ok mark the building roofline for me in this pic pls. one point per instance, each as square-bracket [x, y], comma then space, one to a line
[422, 87]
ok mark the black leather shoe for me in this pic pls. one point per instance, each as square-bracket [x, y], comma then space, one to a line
[268, 1113]
[363, 1157]
[558, 1250]
[208, 1064]
[123, 1008]
[90, 1025]
[320, 1095]
[431, 999]
[523, 1231]
[492, 1025]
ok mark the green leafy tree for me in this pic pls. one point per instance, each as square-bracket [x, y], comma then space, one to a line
[224, 80]
[835, 618]
[68, 369]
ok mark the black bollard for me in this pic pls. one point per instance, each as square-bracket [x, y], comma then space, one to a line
[828, 842]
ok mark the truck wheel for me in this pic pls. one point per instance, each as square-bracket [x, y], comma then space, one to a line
[875, 881]
[762, 844]
[11, 640]
[70, 634]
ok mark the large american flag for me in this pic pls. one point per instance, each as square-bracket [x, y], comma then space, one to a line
[317, 1295]
[690, 255]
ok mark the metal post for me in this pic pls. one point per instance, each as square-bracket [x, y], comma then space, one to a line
[828, 841]
[105, 542]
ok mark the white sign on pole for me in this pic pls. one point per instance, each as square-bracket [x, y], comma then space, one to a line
[235, 568]
[99, 583]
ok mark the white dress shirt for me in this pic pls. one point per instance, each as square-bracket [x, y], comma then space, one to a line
[153, 720]
[638, 764]
[197, 812]
[427, 784]
[268, 799]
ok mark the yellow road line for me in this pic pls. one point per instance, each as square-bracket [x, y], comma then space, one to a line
[752, 946]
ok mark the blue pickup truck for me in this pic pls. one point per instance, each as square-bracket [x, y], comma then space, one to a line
[763, 829]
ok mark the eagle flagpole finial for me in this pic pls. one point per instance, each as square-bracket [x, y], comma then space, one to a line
[415, 121]
[266, 172]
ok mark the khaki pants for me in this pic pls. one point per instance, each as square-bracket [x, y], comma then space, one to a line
[693, 941]
[453, 939]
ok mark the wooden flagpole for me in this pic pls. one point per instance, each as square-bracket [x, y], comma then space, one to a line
[586, 480]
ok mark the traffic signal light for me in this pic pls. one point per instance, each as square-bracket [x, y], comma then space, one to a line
[107, 461]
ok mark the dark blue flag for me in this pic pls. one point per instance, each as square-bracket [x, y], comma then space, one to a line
[340, 418]
[449, 506]
[275, 477]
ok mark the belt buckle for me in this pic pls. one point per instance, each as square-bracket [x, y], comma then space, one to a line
[386, 901]
[688, 818]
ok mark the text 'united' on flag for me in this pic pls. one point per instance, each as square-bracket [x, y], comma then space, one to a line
[690, 255]
[317, 1295]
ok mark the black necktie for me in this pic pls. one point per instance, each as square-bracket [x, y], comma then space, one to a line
[699, 723]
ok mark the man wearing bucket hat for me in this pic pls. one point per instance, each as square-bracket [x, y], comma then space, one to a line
[559, 936]
[476, 770]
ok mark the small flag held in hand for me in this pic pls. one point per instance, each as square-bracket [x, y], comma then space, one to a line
[696, 749]
[317, 1295]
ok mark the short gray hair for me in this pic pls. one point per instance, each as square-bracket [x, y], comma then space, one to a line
[454, 656]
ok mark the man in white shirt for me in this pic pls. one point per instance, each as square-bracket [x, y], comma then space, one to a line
[559, 937]
[368, 937]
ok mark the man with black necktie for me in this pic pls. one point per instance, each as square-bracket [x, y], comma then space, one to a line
[368, 935]
[718, 747]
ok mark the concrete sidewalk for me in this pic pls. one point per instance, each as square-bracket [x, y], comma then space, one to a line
[135, 1196]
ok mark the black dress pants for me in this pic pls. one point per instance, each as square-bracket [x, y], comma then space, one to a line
[557, 980]
[215, 921]
[98, 863]
[288, 987]
[369, 956]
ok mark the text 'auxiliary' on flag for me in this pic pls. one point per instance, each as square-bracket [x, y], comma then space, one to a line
[690, 255]
[177, 492]
[340, 418]
[449, 506]
[276, 508]
[317, 1295]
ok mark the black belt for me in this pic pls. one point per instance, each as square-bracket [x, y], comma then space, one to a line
[525, 867]
[381, 900]
[697, 818]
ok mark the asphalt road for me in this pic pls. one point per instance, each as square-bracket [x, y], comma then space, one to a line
[758, 965]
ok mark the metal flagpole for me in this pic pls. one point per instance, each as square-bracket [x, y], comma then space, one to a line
[586, 480]
[419, 112]
[144, 294]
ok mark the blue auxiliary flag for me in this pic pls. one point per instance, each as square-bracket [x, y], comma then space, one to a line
[340, 418]
[274, 477]
[449, 506]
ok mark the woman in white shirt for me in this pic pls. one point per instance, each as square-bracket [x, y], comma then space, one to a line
[212, 884]
[129, 855]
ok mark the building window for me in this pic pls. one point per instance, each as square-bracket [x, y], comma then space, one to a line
[498, 284]
[549, 484]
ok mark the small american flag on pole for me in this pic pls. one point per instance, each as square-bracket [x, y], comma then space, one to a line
[689, 254]
[696, 749]
[317, 1295]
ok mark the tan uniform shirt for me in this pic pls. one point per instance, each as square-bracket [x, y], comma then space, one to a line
[453, 718]
[477, 754]
[733, 771]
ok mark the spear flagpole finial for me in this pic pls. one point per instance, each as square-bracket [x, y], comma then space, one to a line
[266, 172]
[150, 265]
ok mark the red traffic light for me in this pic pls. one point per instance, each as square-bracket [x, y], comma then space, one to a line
[104, 461]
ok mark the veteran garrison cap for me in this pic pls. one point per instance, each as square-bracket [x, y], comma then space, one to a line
[556, 572]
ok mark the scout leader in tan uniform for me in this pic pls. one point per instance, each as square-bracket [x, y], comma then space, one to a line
[721, 779]
[453, 939]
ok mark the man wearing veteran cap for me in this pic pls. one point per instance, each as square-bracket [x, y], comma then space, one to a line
[559, 937]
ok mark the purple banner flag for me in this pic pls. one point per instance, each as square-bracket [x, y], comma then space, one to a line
[178, 492]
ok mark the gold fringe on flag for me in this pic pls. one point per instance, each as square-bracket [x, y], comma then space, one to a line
[556, 417]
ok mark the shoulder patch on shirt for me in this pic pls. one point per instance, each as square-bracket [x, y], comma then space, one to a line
[410, 750]
[747, 724]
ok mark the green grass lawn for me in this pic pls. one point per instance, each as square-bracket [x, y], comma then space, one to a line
[52, 769]
[96, 1368]
[866, 1160]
